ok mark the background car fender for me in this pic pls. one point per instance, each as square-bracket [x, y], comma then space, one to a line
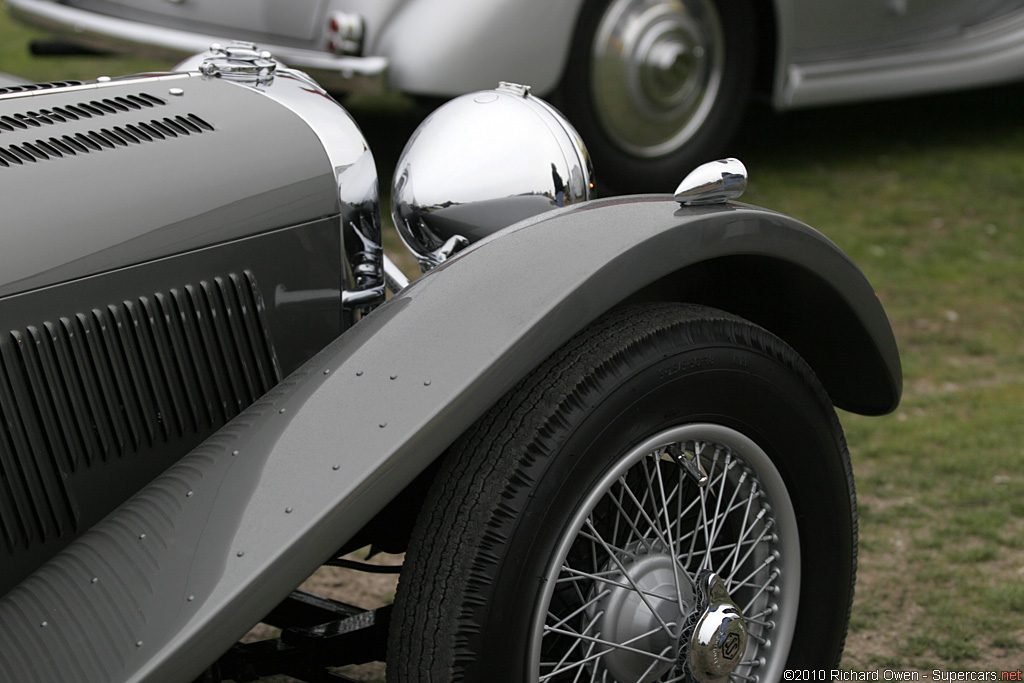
[426, 43]
[165, 584]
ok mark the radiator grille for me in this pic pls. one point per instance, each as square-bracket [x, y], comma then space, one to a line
[112, 382]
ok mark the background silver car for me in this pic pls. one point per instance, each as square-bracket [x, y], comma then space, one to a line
[653, 86]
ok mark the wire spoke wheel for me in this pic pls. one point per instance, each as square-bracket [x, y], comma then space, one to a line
[667, 498]
[620, 601]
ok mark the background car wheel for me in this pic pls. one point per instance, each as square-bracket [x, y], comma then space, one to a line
[657, 87]
[669, 466]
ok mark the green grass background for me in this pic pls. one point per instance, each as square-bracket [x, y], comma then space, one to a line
[927, 196]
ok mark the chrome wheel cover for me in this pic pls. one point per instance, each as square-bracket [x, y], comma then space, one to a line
[619, 600]
[657, 70]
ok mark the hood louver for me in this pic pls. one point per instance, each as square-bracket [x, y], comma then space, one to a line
[53, 147]
[29, 87]
[45, 148]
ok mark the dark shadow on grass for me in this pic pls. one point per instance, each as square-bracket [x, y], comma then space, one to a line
[986, 117]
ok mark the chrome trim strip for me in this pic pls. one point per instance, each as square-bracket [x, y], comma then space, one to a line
[95, 85]
[393, 275]
[355, 171]
[987, 55]
[333, 72]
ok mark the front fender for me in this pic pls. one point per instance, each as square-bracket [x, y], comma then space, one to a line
[168, 582]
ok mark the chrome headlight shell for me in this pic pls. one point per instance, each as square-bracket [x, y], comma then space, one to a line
[482, 162]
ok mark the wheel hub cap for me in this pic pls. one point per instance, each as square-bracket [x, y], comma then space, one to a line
[656, 72]
[644, 595]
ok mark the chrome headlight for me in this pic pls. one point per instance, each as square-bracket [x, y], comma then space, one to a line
[481, 162]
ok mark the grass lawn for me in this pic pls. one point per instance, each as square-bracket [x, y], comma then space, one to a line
[927, 196]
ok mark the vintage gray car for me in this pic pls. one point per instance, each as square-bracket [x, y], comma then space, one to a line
[602, 429]
[654, 86]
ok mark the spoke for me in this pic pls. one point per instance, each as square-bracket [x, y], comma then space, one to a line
[578, 575]
[716, 521]
[735, 544]
[633, 583]
[601, 579]
[745, 528]
[632, 525]
[581, 608]
[767, 611]
[730, 507]
[579, 672]
[579, 592]
[757, 637]
[671, 543]
[650, 522]
[767, 527]
[735, 676]
[680, 677]
[575, 665]
[640, 505]
[728, 511]
[681, 477]
[702, 517]
[655, 663]
[595, 542]
[618, 646]
[654, 494]
[771, 578]
[746, 580]
[618, 517]
[575, 644]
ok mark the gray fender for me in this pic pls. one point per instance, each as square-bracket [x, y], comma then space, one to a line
[166, 583]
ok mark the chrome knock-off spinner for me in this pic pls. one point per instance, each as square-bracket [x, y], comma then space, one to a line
[720, 634]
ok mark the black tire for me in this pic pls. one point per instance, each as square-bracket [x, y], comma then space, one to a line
[485, 572]
[648, 127]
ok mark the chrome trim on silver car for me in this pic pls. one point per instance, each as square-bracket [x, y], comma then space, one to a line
[94, 85]
[333, 72]
[715, 182]
[482, 162]
[983, 55]
[354, 169]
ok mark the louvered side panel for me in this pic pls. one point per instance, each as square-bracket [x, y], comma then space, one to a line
[251, 308]
[33, 463]
[65, 382]
[225, 347]
[150, 371]
[15, 500]
[116, 381]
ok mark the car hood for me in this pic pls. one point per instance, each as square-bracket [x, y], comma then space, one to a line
[102, 175]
